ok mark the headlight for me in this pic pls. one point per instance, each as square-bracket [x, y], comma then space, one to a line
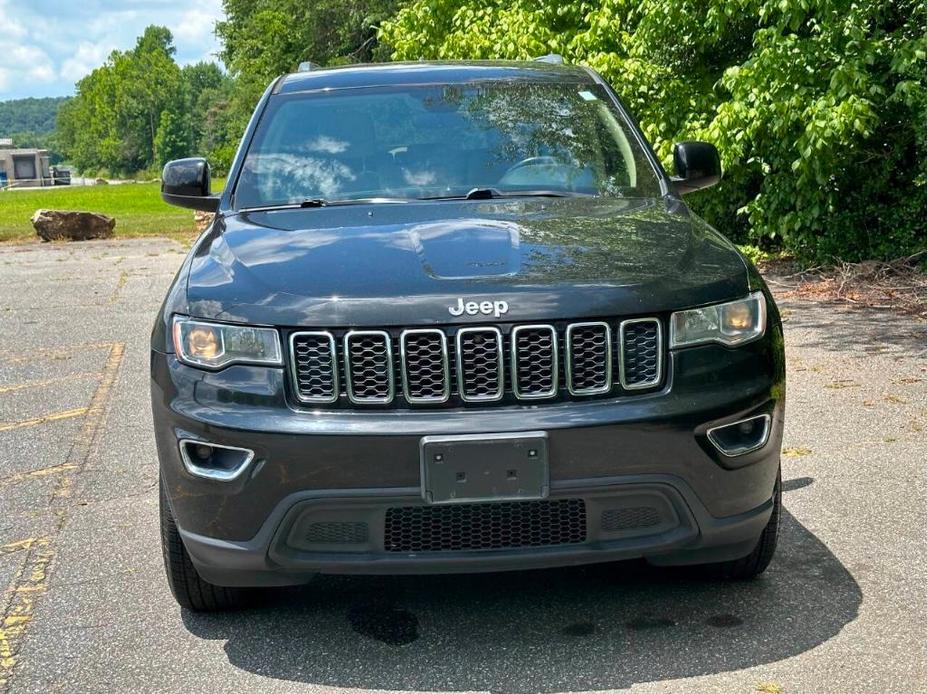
[730, 324]
[214, 345]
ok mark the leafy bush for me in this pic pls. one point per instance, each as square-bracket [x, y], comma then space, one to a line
[818, 107]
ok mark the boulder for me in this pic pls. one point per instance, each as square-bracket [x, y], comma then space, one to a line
[54, 225]
[102, 182]
[201, 220]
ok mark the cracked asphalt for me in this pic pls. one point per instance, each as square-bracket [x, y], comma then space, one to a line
[86, 607]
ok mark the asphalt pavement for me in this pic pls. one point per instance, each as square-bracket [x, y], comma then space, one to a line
[86, 607]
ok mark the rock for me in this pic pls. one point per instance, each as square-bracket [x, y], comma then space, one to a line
[102, 182]
[201, 220]
[53, 225]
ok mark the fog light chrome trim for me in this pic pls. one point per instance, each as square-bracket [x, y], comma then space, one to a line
[216, 474]
[741, 450]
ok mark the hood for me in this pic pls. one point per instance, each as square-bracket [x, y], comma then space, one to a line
[410, 263]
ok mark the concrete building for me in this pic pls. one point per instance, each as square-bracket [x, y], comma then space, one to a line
[21, 168]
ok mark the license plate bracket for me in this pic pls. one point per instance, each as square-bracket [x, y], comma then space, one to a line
[484, 467]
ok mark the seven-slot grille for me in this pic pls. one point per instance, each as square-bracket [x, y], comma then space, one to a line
[368, 366]
[639, 350]
[534, 361]
[589, 359]
[477, 364]
[315, 368]
[480, 370]
[426, 373]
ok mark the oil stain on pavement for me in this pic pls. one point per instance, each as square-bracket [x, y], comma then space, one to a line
[384, 622]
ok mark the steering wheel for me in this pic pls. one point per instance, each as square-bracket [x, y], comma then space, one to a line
[546, 160]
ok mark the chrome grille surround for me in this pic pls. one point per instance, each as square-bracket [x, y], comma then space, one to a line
[368, 367]
[314, 366]
[478, 380]
[529, 383]
[646, 358]
[452, 366]
[430, 380]
[583, 375]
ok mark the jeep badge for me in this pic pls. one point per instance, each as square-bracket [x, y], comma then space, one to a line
[487, 308]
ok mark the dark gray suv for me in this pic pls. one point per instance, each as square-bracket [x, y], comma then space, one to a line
[455, 317]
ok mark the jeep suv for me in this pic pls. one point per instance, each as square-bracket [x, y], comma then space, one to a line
[455, 317]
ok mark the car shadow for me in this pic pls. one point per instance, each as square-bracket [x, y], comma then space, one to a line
[574, 629]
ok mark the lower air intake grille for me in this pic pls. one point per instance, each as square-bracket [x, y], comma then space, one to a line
[338, 533]
[618, 519]
[502, 525]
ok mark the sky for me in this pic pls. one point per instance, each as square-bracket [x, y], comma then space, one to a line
[48, 45]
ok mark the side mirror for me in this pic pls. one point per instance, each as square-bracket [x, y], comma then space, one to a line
[697, 164]
[185, 183]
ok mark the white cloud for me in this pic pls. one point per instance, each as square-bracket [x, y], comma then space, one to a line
[86, 58]
[24, 62]
[48, 45]
[196, 25]
[11, 27]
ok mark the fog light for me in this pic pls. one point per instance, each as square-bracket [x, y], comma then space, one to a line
[741, 437]
[214, 461]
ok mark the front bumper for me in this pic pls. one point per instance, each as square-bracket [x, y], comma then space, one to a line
[354, 466]
[685, 533]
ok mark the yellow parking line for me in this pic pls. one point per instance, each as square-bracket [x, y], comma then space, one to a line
[52, 417]
[13, 387]
[34, 474]
[27, 586]
[83, 443]
[52, 353]
[30, 582]
[28, 543]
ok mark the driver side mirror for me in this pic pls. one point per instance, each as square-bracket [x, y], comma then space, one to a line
[186, 183]
[698, 165]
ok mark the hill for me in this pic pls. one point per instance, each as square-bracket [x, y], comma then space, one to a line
[29, 115]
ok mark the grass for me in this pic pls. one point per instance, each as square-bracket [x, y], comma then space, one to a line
[758, 256]
[137, 207]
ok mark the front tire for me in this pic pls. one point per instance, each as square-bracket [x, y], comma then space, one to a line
[756, 562]
[189, 590]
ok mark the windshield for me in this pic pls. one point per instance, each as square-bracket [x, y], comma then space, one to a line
[443, 141]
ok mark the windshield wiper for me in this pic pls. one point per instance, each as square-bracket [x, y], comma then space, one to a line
[475, 194]
[323, 202]
[493, 193]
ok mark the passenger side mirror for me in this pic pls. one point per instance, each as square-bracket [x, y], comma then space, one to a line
[697, 164]
[185, 183]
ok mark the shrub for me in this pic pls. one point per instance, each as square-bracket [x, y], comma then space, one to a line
[818, 107]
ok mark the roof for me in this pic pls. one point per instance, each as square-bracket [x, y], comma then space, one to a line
[448, 72]
[20, 151]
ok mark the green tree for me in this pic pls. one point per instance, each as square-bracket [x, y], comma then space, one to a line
[140, 109]
[819, 107]
[207, 105]
[172, 139]
[262, 39]
[29, 115]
